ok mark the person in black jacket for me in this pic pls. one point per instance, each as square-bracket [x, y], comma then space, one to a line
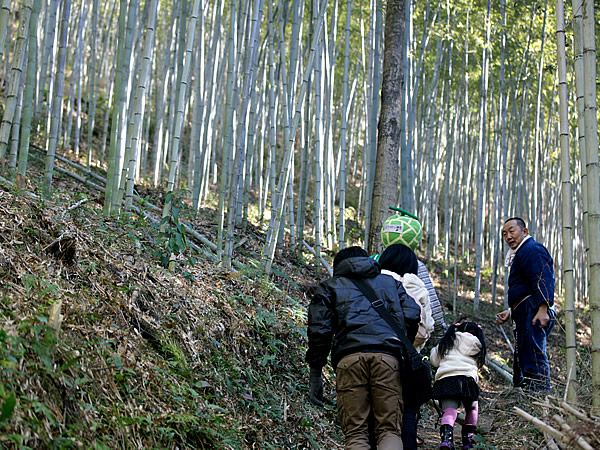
[363, 347]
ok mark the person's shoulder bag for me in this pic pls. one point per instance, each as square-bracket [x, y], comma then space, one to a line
[416, 370]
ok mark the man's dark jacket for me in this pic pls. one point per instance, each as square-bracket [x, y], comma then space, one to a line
[342, 320]
[531, 274]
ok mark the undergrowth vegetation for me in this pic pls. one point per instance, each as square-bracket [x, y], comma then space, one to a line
[115, 333]
[104, 347]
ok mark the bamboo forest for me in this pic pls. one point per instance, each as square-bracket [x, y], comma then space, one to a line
[177, 176]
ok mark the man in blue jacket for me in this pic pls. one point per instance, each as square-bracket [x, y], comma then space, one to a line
[531, 304]
[363, 347]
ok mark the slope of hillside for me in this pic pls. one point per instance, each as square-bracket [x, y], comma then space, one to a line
[101, 346]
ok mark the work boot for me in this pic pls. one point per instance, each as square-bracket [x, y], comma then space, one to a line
[468, 436]
[446, 435]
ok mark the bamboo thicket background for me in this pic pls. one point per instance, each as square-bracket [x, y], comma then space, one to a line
[270, 110]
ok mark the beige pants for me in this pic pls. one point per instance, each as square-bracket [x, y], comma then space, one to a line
[368, 382]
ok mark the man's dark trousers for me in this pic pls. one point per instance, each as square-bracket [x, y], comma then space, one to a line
[531, 368]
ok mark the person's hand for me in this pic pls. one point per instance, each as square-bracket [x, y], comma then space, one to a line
[502, 317]
[541, 317]
[316, 386]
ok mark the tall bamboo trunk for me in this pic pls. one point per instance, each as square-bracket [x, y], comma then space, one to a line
[567, 205]
[118, 110]
[270, 245]
[126, 105]
[537, 148]
[135, 125]
[503, 156]
[318, 195]
[91, 89]
[4, 13]
[482, 154]
[593, 188]
[32, 55]
[343, 137]
[181, 96]
[16, 128]
[14, 81]
[227, 151]
[248, 87]
[58, 90]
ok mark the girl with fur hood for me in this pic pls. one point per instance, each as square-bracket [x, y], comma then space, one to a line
[458, 356]
[400, 262]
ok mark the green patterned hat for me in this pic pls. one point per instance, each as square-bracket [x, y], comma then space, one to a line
[403, 228]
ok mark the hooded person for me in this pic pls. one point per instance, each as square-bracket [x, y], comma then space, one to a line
[401, 234]
[406, 229]
[400, 262]
[364, 349]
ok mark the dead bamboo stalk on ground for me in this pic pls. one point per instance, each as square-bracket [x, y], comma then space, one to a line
[491, 363]
[556, 434]
[564, 426]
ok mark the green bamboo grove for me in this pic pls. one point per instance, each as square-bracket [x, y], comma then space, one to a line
[280, 113]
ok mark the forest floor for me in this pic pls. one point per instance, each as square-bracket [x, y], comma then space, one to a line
[101, 346]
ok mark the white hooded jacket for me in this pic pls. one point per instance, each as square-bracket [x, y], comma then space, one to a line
[460, 360]
[415, 287]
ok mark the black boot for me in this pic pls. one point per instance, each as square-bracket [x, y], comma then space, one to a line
[468, 436]
[446, 435]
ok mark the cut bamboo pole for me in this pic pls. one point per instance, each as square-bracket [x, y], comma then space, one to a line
[491, 363]
[564, 426]
[543, 426]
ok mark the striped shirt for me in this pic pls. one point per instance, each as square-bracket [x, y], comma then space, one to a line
[436, 307]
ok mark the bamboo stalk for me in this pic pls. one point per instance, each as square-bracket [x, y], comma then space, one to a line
[512, 349]
[566, 202]
[593, 187]
[500, 370]
[580, 415]
[4, 13]
[543, 426]
[325, 264]
[579, 440]
[14, 82]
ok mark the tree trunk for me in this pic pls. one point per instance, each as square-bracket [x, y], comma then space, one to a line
[91, 89]
[134, 129]
[118, 110]
[373, 95]
[181, 96]
[343, 137]
[269, 252]
[385, 187]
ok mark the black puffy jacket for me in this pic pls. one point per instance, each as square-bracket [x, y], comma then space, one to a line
[342, 320]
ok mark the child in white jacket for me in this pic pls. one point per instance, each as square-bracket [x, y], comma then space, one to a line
[458, 356]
